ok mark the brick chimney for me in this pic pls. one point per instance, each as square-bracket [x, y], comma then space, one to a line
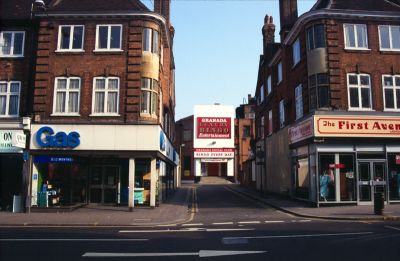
[288, 16]
[268, 30]
[162, 7]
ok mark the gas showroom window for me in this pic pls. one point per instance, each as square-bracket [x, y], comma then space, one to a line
[106, 96]
[70, 38]
[12, 44]
[66, 96]
[391, 92]
[149, 96]
[108, 37]
[9, 98]
[359, 90]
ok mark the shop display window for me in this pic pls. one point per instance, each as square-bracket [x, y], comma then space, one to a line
[302, 178]
[327, 187]
[394, 176]
[347, 177]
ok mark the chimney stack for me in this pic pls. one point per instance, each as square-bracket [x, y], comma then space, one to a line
[288, 16]
[268, 30]
[162, 7]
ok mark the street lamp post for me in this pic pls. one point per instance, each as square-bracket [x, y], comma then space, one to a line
[180, 164]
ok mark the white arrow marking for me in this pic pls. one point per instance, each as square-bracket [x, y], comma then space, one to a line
[201, 253]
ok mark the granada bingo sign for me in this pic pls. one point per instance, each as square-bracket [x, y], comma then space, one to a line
[47, 138]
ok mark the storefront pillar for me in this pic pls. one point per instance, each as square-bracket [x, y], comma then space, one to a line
[26, 183]
[131, 181]
[153, 187]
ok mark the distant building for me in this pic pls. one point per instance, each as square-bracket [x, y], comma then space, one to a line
[245, 163]
[184, 141]
[328, 102]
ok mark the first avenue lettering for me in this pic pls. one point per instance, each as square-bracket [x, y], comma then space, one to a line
[366, 126]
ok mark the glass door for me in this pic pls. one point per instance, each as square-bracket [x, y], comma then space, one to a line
[104, 184]
[371, 179]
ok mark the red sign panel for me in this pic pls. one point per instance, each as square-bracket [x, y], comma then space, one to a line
[398, 159]
[213, 128]
[337, 166]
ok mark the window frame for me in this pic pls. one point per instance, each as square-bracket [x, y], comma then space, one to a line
[281, 113]
[106, 91]
[153, 91]
[279, 72]
[394, 88]
[270, 122]
[296, 52]
[317, 88]
[269, 85]
[67, 96]
[108, 49]
[71, 39]
[390, 38]
[355, 36]
[12, 55]
[151, 48]
[8, 94]
[299, 101]
[312, 30]
[262, 93]
[359, 87]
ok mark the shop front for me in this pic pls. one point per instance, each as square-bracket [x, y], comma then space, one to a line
[214, 149]
[75, 165]
[12, 146]
[346, 159]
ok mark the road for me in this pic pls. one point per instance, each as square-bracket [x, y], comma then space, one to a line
[224, 225]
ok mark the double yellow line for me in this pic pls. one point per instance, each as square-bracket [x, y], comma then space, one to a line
[195, 207]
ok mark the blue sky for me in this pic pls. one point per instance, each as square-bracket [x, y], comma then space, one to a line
[217, 46]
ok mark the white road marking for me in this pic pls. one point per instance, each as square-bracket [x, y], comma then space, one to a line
[70, 239]
[201, 253]
[168, 225]
[300, 236]
[223, 223]
[192, 225]
[249, 222]
[194, 229]
[395, 228]
[274, 221]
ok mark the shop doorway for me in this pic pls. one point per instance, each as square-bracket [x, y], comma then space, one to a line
[103, 184]
[371, 179]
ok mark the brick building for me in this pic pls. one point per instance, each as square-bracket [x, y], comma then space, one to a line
[328, 102]
[17, 42]
[184, 140]
[103, 104]
[244, 143]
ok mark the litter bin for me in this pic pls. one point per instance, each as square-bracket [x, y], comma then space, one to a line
[17, 204]
[379, 203]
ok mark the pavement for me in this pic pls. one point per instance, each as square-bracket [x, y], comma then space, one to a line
[176, 210]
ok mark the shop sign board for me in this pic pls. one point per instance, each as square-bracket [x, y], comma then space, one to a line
[301, 131]
[19, 140]
[214, 153]
[47, 138]
[214, 160]
[356, 126]
[213, 127]
[8, 140]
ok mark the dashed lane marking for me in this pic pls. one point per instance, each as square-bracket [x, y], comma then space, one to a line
[223, 223]
[249, 222]
[395, 228]
[274, 221]
[192, 225]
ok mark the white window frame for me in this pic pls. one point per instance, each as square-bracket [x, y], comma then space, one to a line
[280, 75]
[150, 41]
[67, 96]
[269, 85]
[262, 94]
[8, 93]
[390, 38]
[359, 86]
[71, 39]
[282, 114]
[356, 47]
[296, 52]
[395, 88]
[106, 91]
[270, 122]
[108, 49]
[299, 101]
[11, 54]
[153, 91]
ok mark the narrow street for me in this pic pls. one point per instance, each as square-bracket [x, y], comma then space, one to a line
[224, 225]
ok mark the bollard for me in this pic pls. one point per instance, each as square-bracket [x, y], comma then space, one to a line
[379, 203]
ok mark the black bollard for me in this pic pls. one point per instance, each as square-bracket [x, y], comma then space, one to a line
[379, 203]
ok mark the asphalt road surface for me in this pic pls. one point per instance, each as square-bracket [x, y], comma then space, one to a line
[224, 226]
